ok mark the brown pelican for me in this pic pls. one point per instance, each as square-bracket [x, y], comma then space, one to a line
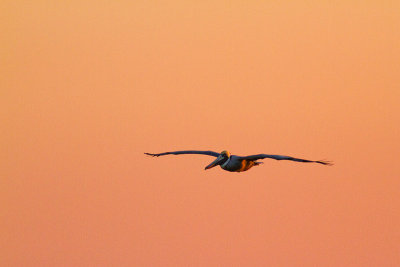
[234, 163]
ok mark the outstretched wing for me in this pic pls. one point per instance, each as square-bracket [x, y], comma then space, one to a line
[209, 153]
[280, 157]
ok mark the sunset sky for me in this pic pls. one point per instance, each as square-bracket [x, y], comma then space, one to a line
[88, 86]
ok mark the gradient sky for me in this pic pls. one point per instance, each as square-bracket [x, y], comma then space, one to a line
[88, 86]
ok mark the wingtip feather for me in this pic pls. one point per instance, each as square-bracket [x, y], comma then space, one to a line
[325, 162]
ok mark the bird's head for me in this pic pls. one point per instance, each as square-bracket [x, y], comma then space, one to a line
[225, 153]
[222, 158]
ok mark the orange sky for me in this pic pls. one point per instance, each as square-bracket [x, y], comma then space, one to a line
[88, 86]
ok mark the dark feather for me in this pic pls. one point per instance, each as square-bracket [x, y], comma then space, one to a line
[280, 157]
[209, 153]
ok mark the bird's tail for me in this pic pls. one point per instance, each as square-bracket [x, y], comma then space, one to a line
[256, 163]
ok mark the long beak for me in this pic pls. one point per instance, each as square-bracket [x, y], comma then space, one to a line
[214, 163]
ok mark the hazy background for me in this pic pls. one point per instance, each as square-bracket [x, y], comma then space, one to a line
[88, 86]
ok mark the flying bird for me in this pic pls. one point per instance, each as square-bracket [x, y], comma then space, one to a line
[233, 163]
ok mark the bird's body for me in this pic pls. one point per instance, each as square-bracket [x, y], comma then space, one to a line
[238, 164]
[235, 163]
